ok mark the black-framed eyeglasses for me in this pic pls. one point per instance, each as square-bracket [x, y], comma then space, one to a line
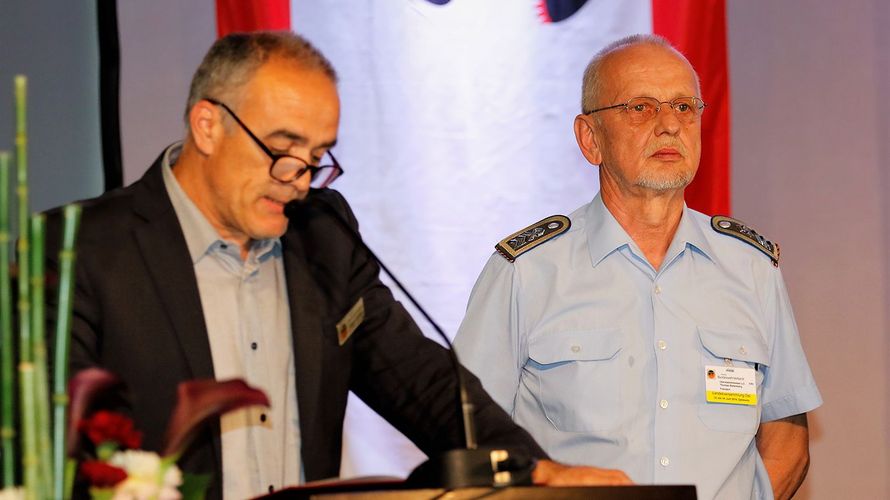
[642, 109]
[287, 168]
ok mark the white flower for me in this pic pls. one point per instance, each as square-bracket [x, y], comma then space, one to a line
[143, 477]
[134, 489]
[173, 477]
[12, 494]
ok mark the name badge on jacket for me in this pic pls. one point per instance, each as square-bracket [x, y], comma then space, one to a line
[351, 320]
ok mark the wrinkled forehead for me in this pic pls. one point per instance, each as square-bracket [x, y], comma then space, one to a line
[648, 70]
[293, 104]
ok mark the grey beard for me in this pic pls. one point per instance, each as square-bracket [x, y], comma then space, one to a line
[660, 183]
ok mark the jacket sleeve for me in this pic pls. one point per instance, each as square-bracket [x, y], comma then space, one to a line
[409, 379]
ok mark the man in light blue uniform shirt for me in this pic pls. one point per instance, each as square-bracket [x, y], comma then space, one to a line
[638, 334]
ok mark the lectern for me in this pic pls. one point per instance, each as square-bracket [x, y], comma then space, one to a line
[397, 490]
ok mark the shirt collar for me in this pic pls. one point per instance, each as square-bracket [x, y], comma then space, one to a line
[690, 233]
[200, 236]
[605, 235]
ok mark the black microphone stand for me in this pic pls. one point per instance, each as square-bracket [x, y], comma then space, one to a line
[470, 466]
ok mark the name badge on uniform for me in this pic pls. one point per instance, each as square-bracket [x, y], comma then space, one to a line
[351, 321]
[730, 385]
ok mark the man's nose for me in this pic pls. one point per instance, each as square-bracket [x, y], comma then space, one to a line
[666, 121]
[302, 183]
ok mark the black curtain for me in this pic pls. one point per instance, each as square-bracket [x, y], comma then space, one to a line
[109, 93]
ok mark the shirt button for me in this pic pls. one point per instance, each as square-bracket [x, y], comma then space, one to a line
[262, 417]
[253, 346]
[742, 350]
[663, 403]
[662, 345]
[576, 348]
[665, 461]
[271, 489]
[657, 289]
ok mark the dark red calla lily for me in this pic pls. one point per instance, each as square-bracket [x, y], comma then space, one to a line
[200, 400]
[83, 388]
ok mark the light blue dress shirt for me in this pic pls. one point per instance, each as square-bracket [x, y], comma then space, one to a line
[247, 314]
[602, 358]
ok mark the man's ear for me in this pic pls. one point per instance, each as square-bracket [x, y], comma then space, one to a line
[585, 134]
[205, 126]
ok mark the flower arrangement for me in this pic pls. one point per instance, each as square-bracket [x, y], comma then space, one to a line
[116, 468]
[112, 466]
[132, 474]
[120, 470]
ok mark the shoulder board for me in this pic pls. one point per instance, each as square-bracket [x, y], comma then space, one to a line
[738, 229]
[524, 240]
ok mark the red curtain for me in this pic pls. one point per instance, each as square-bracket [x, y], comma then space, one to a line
[251, 15]
[698, 29]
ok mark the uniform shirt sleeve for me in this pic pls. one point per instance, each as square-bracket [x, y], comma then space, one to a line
[788, 387]
[488, 340]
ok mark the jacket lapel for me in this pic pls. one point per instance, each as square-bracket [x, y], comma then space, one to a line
[166, 256]
[305, 309]
[167, 259]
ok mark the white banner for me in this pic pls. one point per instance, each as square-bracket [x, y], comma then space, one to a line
[456, 131]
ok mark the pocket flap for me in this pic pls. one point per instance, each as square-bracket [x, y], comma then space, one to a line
[590, 345]
[741, 345]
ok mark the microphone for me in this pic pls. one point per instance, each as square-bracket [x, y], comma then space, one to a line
[460, 468]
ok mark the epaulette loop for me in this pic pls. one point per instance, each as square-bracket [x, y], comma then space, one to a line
[738, 229]
[524, 240]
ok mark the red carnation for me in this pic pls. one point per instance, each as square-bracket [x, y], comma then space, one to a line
[101, 475]
[104, 426]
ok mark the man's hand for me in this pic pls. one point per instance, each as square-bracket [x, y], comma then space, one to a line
[551, 473]
[784, 447]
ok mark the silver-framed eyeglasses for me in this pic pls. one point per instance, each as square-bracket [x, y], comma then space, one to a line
[287, 168]
[642, 109]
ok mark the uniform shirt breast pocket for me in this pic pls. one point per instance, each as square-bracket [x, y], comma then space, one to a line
[743, 348]
[576, 378]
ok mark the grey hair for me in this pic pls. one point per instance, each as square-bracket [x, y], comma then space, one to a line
[234, 58]
[592, 83]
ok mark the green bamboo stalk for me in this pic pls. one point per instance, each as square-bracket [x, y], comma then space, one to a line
[30, 461]
[70, 469]
[38, 349]
[62, 475]
[24, 279]
[7, 360]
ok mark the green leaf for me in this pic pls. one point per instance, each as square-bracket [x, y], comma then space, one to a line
[101, 493]
[194, 486]
[106, 449]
